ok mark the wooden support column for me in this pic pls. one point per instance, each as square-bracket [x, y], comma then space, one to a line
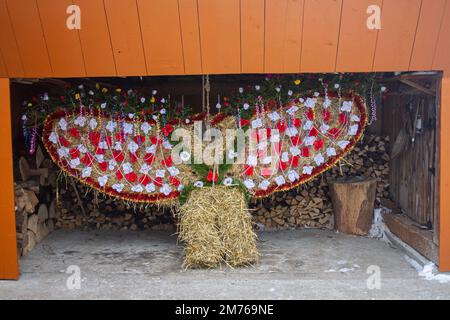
[9, 264]
[444, 242]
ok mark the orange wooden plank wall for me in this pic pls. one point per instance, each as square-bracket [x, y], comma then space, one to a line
[9, 268]
[177, 37]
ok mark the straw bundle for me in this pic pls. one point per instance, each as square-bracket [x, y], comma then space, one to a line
[216, 227]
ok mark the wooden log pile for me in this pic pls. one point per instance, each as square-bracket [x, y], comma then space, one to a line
[310, 205]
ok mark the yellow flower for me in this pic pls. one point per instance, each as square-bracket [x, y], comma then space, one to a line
[97, 86]
[152, 100]
[297, 82]
[118, 90]
[77, 96]
[30, 104]
[104, 90]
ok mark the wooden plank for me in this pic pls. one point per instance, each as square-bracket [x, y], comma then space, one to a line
[220, 36]
[397, 34]
[252, 36]
[9, 264]
[125, 31]
[283, 35]
[442, 58]
[8, 44]
[190, 34]
[161, 35]
[355, 35]
[3, 72]
[95, 39]
[427, 35]
[444, 242]
[63, 44]
[30, 38]
[320, 35]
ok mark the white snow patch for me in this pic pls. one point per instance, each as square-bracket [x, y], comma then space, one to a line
[429, 271]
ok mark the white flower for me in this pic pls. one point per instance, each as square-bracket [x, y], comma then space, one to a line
[319, 159]
[291, 131]
[252, 160]
[383, 89]
[185, 156]
[307, 170]
[293, 175]
[133, 146]
[103, 145]
[63, 124]
[324, 128]
[257, 123]
[353, 130]
[274, 116]
[290, 93]
[228, 181]
[102, 180]
[218, 106]
[74, 163]
[274, 138]
[112, 164]
[86, 172]
[326, 103]
[118, 187]
[167, 145]
[285, 156]
[336, 86]
[292, 110]
[150, 188]
[111, 126]
[80, 121]
[145, 168]
[142, 100]
[198, 184]
[118, 146]
[347, 106]
[53, 138]
[82, 148]
[280, 180]
[154, 92]
[128, 128]
[331, 152]
[295, 151]
[146, 127]
[155, 117]
[163, 101]
[257, 87]
[151, 149]
[137, 188]
[173, 171]
[301, 100]
[166, 189]
[103, 105]
[81, 87]
[267, 160]
[249, 184]
[262, 145]
[343, 144]
[93, 124]
[160, 173]
[308, 125]
[24, 117]
[91, 93]
[310, 103]
[241, 90]
[309, 141]
[127, 168]
[264, 185]
[316, 94]
[45, 97]
[63, 152]
[246, 106]
[162, 111]
[277, 89]
[100, 157]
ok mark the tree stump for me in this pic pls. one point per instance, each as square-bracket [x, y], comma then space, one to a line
[353, 203]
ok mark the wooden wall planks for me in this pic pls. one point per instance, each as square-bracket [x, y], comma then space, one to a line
[157, 37]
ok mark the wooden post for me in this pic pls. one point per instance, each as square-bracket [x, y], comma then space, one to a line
[9, 265]
[444, 168]
[353, 204]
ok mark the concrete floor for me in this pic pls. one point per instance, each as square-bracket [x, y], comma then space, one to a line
[308, 264]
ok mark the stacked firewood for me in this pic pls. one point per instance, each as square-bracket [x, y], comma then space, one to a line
[310, 205]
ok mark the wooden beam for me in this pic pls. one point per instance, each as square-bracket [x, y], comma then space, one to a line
[9, 264]
[418, 87]
[444, 168]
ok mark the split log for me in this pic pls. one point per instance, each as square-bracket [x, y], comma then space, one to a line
[353, 202]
